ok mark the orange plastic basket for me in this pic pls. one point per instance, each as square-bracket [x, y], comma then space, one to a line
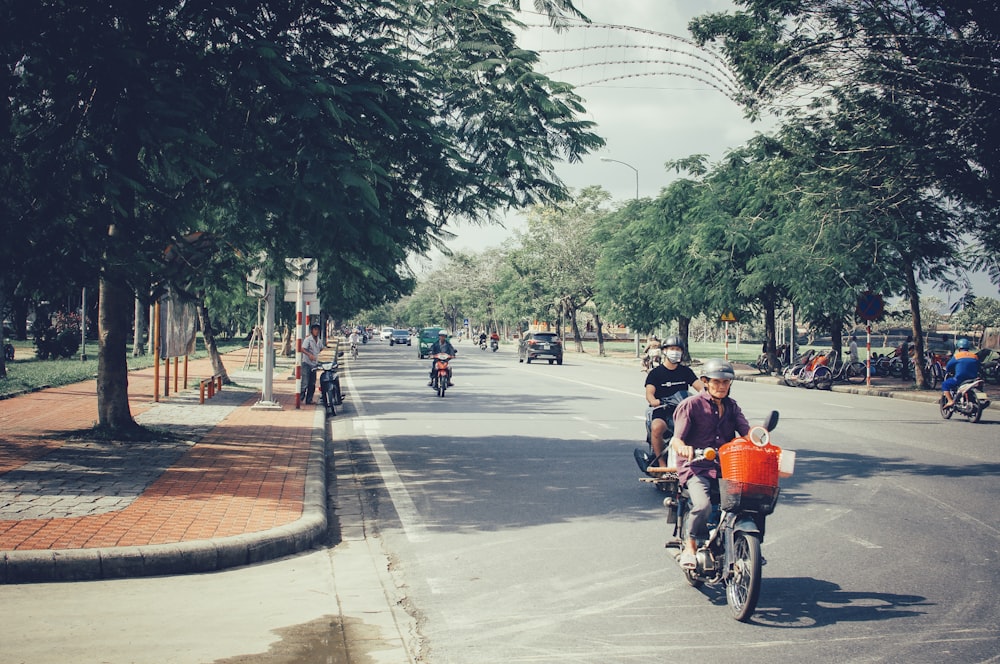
[742, 461]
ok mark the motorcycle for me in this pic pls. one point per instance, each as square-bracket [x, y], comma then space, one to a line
[494, 345]
[970, 401]
[651, 359]
[482, 344]
[330, 392]
[741, 499]
[663, 478]
[439, 381]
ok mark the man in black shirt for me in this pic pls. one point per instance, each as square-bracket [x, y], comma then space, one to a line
[667, 385]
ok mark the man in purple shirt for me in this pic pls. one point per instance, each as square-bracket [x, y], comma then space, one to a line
[708, 419]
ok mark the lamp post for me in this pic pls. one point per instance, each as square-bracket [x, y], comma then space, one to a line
[636, 171]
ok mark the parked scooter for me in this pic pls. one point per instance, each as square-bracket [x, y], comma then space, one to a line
[746, 493]
[970, 401]
[439, 381]
[330, 392]
[329, 386]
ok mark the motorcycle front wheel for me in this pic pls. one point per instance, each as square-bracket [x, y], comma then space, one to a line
[743, 589]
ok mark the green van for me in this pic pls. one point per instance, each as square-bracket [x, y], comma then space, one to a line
[428, 336]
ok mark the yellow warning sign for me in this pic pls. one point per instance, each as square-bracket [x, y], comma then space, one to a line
[728, 317]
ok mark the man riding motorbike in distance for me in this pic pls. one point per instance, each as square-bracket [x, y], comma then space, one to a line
[667, 385]
[708, 419]
[964, 364]
[442, 345]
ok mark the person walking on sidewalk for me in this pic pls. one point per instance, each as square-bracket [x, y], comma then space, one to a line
[311, 348]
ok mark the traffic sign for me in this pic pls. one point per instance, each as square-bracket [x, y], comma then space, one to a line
[870, 306]
[728, 317]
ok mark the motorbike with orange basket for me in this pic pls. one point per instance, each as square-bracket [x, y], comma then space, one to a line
[741, 500]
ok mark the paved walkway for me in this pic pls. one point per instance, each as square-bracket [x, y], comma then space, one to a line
[227, 484]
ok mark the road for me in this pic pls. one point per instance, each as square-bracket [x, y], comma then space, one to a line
[521, 533]
[517, 530]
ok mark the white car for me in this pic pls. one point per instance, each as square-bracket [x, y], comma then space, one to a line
[385, 334]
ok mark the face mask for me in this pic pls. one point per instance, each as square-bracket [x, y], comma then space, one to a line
[675, 355]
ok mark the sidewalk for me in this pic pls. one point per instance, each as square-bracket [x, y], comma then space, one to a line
[228, 485]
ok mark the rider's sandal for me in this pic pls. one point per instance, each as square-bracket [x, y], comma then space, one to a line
[688, 560]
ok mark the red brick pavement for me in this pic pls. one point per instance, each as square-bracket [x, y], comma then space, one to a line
[246, 475]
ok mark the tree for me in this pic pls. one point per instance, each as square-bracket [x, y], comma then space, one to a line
[350, 132]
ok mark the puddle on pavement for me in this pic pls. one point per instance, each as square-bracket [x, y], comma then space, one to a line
[322, 641]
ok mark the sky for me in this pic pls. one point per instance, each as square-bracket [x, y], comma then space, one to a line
[646, 117]
[646, 120]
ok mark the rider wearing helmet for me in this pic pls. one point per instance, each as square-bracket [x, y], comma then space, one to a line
[667, 385]
[708, 419]
[442, 345]
[964, 364]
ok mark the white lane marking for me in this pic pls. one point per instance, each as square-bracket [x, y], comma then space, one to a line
[603, 425]
[597, 385]
[863, 542]
[413, 526]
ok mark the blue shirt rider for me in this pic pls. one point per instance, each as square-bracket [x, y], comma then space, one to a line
[965, 366]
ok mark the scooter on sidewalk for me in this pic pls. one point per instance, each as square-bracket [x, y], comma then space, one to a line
[330, 392]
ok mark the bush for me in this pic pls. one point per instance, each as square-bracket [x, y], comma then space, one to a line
[58, 339]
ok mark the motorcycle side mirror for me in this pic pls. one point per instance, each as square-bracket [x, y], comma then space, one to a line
[771, 421]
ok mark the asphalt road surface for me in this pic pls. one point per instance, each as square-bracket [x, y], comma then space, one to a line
[520, 532]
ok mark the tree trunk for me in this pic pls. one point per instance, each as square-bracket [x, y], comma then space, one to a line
[600, 333]
[218, 368]
[112, 369]
[575, 326]
[683, 330]
[139, 333]
[913, 293]
[771, 334]
[286, 342]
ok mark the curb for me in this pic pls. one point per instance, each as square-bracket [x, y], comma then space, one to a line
[196, 556]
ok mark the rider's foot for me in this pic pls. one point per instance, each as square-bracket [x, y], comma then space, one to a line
[949, 404]
[688, 560]
[430, 383]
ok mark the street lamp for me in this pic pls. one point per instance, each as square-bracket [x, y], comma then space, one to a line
[636, 170]
[630, 166]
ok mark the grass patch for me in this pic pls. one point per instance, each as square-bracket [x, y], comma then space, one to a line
[26, 373]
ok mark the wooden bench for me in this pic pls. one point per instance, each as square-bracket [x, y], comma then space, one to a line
[210, 385]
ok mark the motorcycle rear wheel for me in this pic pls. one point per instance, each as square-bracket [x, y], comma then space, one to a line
[946, 413]
[977, 410]
[693, 580]
[743, 589]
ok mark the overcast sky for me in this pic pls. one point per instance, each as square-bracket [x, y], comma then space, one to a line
[646, 119]
[647, 112]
